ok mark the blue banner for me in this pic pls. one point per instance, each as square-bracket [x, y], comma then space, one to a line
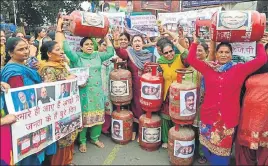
[189, 4]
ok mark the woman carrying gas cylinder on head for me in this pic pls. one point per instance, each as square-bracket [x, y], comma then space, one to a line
[136, 58]
[220, 109]
[91, 94]
[205, 55]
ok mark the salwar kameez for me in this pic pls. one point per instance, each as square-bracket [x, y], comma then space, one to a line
[52, 72]
[91, 96]
[107, 67]
[252, 138]
[220, 110]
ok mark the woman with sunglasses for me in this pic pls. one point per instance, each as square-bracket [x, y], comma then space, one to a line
[220, 109]
[169, 63]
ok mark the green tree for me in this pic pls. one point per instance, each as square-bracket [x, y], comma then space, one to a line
[39, 13]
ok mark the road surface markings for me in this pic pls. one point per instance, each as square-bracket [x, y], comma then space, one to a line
[110, 158]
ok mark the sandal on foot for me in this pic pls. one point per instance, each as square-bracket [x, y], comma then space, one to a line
[202, 160]
[133, 136]
[72, 164]
[99, 144]
[83, 148]
[164, 145]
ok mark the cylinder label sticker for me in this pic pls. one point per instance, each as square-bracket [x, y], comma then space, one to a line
[119, 88]
[92, 19]
[187, 102]
[117, 129]
[150, 91]
[233, 20]
[151, 135]
[184, 149]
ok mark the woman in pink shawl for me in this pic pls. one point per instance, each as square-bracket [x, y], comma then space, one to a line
[6, 121]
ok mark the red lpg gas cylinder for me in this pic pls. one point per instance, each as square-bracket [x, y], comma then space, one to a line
[43, 135]
[150, 132]
[86, 24]
[235, 26]
[120, 84]
[181, 145]
[122, 123]
[25, 144]
[152, 84]
[182, 99]
[36, 139]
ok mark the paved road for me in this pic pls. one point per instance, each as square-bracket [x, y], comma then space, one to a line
[114, 154]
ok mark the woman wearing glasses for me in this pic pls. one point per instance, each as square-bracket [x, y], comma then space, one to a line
[169, 62]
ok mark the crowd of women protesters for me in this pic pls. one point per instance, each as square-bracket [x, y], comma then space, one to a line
[233, 98]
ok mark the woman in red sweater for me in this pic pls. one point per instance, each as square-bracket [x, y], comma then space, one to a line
[220, 109]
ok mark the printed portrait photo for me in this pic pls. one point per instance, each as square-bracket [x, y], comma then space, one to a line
[151, 135]
[119, 88]
[63, 90]
[92, 19]
[117, 129]
[45, 95]
[74, 88]
[24, 99]
[83, 76]
[151, 91]
[184, 149]
[188, 102]
[233, 20]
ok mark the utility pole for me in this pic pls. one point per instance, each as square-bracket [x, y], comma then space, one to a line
[15, 13]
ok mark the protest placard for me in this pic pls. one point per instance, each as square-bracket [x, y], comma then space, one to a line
[144, 24]
[82, 75]
[243, 51]
[156, 5]
[74, 42]
[115, 20]
[45, 113]
[186, 20]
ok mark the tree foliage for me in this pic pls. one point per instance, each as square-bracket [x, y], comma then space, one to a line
[39, 12]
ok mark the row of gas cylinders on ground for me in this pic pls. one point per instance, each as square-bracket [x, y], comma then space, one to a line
[181, 138]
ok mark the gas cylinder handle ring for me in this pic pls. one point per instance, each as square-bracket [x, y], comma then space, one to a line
[117, 64]
[184, 71]
[151, 64]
